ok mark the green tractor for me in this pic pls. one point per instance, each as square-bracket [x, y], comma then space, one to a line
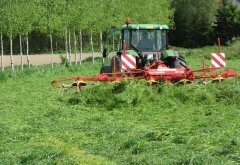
[146, 43]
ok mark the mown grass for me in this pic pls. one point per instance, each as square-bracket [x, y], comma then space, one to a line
[122, 123]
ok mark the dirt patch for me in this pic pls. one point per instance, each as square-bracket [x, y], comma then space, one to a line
[41, 59]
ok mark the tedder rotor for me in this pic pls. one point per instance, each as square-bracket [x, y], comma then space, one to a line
[145, 54]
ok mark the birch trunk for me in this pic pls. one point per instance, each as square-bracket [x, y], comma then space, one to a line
[51, 43]
[11, 52]
[75, 46]
[2, 66]
[92, 46]
[101, 46]
[113, 41]
[56, 46]
[28, 59]
[69, 46]
[119, 42]
[101, 42]
[21, 53]
[66, 47]
[80, 39]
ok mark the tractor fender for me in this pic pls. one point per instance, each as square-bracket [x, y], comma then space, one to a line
[173, 59]
[170, 53]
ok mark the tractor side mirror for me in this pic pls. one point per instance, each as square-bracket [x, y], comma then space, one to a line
[104, 53]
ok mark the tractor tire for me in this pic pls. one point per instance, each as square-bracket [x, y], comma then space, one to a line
[179, 62]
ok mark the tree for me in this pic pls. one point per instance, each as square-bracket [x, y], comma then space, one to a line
[76, 22]
[26, 15]
[94, 20]
[11, 25]
[3, 4]
[150, 11]
[193, 22]
[227, 22]
[51, 19]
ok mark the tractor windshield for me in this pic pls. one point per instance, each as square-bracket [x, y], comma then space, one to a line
[148, 40]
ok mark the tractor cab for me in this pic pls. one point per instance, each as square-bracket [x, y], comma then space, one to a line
[143, 38]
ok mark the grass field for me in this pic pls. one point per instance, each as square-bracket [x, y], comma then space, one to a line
[126, 123]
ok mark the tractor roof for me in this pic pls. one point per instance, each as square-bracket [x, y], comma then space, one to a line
[144, 26]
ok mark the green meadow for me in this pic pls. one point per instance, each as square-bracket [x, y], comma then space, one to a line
[119, 123]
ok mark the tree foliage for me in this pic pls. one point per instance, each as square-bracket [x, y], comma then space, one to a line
[3, 4]
[227, 24]
[51, 16]
[193, 22]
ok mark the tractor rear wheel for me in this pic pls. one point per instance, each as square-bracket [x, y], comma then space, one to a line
[178, 62]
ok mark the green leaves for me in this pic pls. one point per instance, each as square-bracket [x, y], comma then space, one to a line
[227, 23]
[43, 17]
[193, 22]
[50, 15]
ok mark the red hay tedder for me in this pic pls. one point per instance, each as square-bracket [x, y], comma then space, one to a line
[144, 54]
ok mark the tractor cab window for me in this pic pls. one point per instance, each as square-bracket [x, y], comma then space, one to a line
[164, 38]
[126, 36]
[147, 40]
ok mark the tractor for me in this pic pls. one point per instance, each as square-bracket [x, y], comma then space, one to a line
[144, 44]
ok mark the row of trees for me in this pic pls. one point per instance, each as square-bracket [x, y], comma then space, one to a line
[24, 24]
[201, 22]
[68, 19]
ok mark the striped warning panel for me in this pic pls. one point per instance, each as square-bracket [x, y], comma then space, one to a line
[218, 60]
[128, 62]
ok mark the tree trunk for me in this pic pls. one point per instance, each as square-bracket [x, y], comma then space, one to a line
[80, 39]
[66, 47]
[101, 42]
[119, 42]
[69, 46]
[51, 43]
[113, 41]
[101, 46]
[11, 51]
[75, 46]
[92, 46]
[21, 53]
[28, 59]
[2, 66]
[56, 46]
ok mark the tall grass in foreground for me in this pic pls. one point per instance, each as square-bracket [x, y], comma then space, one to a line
[121, 123]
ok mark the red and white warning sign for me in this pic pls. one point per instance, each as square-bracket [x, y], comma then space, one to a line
[218, 60]
[128, 61]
